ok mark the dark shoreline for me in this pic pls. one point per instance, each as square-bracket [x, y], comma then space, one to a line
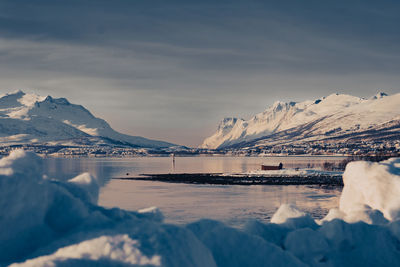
[220, 179]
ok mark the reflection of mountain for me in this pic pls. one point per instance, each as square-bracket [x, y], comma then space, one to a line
[333, 117]
[29, 118]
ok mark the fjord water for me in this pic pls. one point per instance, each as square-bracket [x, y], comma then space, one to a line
[183, 203]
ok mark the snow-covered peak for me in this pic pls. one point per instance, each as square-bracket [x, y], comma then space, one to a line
[19, 99]
[60, 101]
[334, 113]
[227, 123]
[228, 120]
[29, 100]
[342, 99]
[13, 93]
[279, 106]
[47, 119]
[17, 104]
[10, 100]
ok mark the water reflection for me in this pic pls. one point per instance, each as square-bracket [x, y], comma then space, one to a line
[182, 203]
[233, 204]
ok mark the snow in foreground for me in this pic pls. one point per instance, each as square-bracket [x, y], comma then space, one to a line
[46, 222]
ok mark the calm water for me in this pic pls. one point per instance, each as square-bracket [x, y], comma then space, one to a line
[183, 203]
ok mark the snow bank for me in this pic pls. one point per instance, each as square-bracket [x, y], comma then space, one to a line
[285, 212]
[47, 222]
[372, 186]
[371, 193]
[101, 250]
[231, 247]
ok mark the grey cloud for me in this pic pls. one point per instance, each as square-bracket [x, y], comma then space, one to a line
[186, 64]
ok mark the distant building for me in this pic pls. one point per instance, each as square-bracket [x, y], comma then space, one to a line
[271, 167]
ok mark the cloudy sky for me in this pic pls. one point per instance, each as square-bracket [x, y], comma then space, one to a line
[171, 70]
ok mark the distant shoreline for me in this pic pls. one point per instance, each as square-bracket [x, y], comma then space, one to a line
[196, 155]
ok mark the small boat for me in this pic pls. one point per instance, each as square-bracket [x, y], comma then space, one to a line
[271, 167]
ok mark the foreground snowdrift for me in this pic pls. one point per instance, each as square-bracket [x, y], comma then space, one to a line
[45, 222]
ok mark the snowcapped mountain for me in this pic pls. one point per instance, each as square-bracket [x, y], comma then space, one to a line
[29, 118]
[334, 116]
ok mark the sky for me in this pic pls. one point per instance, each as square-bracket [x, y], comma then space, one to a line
[171, 70]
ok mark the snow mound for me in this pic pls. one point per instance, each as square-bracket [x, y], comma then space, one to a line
[103, 250]
[312, 247]
[289, 216]
[231, 247]
[62, 220]
[286, 211]
[87, 187]
[46, 222]
[371, 192]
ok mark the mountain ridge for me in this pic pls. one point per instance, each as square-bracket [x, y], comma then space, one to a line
[29, 118]
[310, 120]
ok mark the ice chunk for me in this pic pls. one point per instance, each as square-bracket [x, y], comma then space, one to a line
[360, 244]
[87, 187]
[334, 214]
[271, 232]
[231, 247]
[33, 209]
[364, 213]
[105, 250]
[290, 216]
[23, 164]
[152, 212]
[285, 212]
[308, 245]
[375, 186]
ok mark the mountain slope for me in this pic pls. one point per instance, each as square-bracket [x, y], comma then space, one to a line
[26, 118]
[327, 117]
